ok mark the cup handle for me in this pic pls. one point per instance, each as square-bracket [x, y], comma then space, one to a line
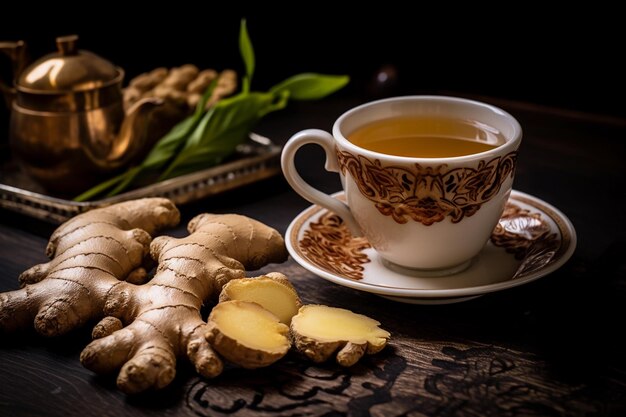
[327, 142]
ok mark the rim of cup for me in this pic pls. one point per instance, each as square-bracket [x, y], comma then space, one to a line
[512, 140]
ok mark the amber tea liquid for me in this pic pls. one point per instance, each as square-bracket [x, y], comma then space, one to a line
[427, 137]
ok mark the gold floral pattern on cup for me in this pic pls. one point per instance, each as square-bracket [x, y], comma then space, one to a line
[427, 194]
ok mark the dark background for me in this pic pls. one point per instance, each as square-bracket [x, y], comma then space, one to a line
[566, 59]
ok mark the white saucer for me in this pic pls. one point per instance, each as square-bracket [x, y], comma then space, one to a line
[532, 240]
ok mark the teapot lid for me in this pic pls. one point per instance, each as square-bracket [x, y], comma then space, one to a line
[68, 70]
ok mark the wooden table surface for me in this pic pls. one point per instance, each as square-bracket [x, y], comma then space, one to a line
[553, 347]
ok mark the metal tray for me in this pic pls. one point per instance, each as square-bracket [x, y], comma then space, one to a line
[255, 160]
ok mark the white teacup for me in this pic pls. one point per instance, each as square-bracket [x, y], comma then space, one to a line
[427, 214]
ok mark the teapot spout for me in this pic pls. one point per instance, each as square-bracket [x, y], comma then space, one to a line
[132, 137]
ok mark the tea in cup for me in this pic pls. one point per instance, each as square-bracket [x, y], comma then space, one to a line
[426, 178]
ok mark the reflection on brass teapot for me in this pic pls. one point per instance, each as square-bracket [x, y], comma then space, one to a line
[68, 126]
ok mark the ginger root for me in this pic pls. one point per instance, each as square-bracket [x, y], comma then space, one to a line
[320, 331]
[273, 292]
[247, 334]
[98, 268]
[90, 254]
[180, 87]
[144, 328]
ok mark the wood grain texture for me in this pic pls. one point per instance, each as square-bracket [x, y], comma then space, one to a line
[550, 348]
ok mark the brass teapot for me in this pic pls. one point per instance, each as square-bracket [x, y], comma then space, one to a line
[68, 126]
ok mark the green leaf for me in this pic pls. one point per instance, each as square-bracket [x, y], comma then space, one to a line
[247, 55]
[214, 154]
[311, 86]
[169, 144]
[100, 188]
[201, 106]
[167, 147]
[222, 129]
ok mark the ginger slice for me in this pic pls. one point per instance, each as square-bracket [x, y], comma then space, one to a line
[320, 331]
[247, 334]
[273, 292]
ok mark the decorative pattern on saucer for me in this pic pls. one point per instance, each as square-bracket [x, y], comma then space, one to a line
[328, 243]
[425, 194]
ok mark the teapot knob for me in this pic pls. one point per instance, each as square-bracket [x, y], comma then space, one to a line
[67, 45]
